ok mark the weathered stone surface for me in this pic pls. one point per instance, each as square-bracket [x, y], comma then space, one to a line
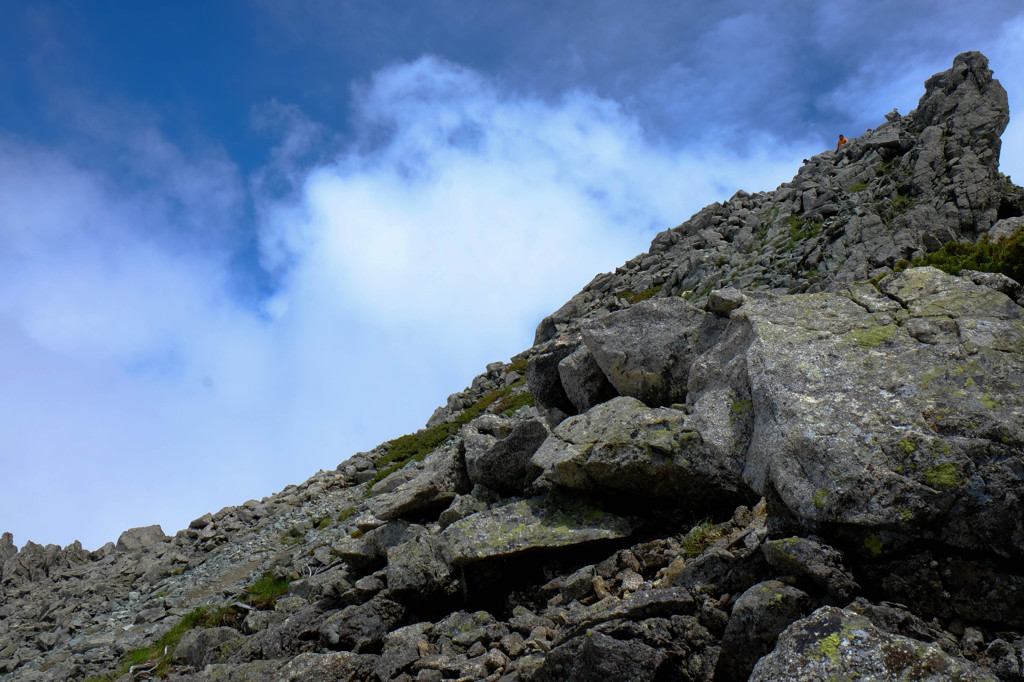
[637, 606]
[138, 538]
[363, 627]
[834, 643]
[7, 548]
[442, 477]
[646, 350]
[717, 571]
[805, 558]
[536, 523]
[624, 446]
[600, 657]
[721, 302]
[542, 375]
[855, 421]
[196, 646]
[418, 568]
[583, 381]
[757, 618]
[501, 463]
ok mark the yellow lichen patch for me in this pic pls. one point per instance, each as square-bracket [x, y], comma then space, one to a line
[829, 646]
[907, 446]
[820, 498]
[873, 544]
[942, 475]
[872, 337]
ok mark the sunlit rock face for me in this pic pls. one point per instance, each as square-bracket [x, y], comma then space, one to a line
[773, 447]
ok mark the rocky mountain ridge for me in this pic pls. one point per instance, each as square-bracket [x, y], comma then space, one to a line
[767, 449]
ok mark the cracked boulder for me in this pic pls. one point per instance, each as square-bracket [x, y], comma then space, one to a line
[646, 350]
[854, 419]
[497, 453]
[835, 643]
[623, 446]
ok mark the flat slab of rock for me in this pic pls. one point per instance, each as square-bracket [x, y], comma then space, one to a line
[529, 525]
[626, 447]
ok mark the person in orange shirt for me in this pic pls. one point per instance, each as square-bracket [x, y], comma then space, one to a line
[842, 141]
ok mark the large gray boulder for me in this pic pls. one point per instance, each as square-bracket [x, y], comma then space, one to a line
[623, 446]
[835, 644]
[7, 548]
[583, 381]
[905, 422]
[138, 538]
[430, 488]
[497, 452]
[646, 350]
[757, 618]
[418, 569]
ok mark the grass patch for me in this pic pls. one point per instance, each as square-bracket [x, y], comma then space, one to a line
[857, 187]
[160, 652]
[509, 405]
[872, 337]
[413, 447]
[800, 230]
[1004, 255]
[700, 536]
[263, 594]
[346, 513]
[516, 366]
[633, 297]
[292, 537]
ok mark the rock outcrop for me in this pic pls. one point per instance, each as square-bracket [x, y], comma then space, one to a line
[770, 448]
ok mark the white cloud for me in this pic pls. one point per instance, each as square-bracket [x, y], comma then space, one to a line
[138, 390]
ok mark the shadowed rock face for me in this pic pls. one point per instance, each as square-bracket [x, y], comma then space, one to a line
[770, 469]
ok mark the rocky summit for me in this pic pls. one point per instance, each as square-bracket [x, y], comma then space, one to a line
[786, 443]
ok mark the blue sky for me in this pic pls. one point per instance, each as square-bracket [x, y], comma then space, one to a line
[243, 240]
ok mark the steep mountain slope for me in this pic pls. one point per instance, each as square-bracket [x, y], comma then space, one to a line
[767, 449]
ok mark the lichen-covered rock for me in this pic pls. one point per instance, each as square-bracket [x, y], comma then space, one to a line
[856, 421]
[362, 627]
[833, 643]
[542, 375]
[196, 646]
[583, 381]
[816, 561]
[418, 568]
[646, 350]
[532, 524]
[501, 463]
[623, 446]
[442, 477]
[757, 618]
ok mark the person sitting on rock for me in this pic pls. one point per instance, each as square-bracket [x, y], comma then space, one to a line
[842, 141]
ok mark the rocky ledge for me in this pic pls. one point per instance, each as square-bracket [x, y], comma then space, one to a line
[778, 446]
